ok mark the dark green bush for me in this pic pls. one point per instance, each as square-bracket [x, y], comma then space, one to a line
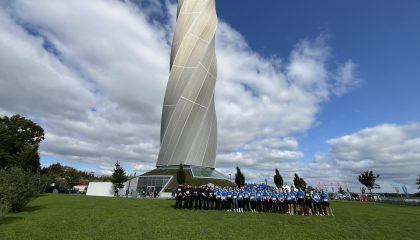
[18, 188]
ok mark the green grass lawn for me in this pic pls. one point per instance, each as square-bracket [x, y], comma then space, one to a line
[81, 217]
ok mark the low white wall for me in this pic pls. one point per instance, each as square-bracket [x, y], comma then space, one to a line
[102, 189]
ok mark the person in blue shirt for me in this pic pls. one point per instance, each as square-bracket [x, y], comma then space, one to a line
[229, 199]
[326, 204]
[289, 202]
[280, 201]
[224, 200]
[240, 201]
[273, 200]
[293, 199]
[259, 198]
[265, 200]
[300, 200]
[316, 201]
[219, 199]
[253, 201]
[235, 200]
[246, 200]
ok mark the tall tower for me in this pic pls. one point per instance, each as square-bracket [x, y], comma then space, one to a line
[189, 125]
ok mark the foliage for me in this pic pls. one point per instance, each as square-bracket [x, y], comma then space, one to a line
[180, 175]
[418, 182]
[118, 176]
[18, 187]
[368, 179]
[299, 182]
[19, 143]
[64, 176]
[239, 178]
[278, 179]
[363, 190]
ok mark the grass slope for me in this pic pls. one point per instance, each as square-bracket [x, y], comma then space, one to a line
[81, 217]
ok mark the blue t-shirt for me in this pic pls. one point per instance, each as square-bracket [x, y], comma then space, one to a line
[229, 194]
[274, 197]
[280, 197]
[246, 194]
[293, 196]
[265, 196]
[259, 196]
[288, 197]
[315, 197]
[224, 193]
[240, 196]
[253, 196]
[235, 194]
[324, 197]
[218, 193]
[301, 194]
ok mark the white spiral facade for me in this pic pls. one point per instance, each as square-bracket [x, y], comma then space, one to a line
[189, 126]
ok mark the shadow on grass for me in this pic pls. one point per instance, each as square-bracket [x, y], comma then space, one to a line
[9, 219]
[32, 208]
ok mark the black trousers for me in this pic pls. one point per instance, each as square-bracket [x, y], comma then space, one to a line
[253, 205]
[246, 204]
[178, 203]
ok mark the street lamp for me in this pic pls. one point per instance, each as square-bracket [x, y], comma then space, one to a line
[230, 177]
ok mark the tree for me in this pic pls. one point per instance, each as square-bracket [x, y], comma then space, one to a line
[19, 143]
[180, 175]
[239, 177]
[278, 179]
[368, 179]
[418, 182]
[18, 188]
[118, 176]
[299, 182]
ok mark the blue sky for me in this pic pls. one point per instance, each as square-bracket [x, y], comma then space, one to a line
[381, 37]
[326, 89]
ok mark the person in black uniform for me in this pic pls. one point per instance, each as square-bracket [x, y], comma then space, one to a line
[196, 197]
[188, 197]
[178, 197]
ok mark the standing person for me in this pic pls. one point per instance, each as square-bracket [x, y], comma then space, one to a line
[280, 201]
[289, 202]
[293, 200]
[229, 200]
[301, 200]
[326, 204]
[316, 200]
[265, 200]
[178, 197]
[308, 204]
[188, 197]
[240, 201]
[210, 198]
[259, 200]
[224, 193]
[246, 200]
[218, 198]
[253, 200]
[235, 207]
[273, 199]
[196, 196]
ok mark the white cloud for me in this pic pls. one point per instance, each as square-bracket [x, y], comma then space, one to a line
[391, 150]
[93, 74]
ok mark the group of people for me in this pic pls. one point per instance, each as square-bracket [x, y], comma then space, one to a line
[254, 198]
